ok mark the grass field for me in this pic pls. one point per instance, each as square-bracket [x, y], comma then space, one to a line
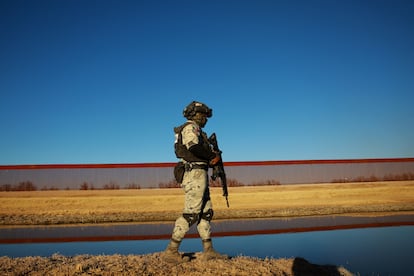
[149, 205]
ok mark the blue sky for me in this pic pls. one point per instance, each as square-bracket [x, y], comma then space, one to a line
[106, 81]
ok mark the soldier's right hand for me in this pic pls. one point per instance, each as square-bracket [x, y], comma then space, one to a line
[215, 160]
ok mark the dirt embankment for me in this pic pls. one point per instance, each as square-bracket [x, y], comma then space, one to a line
[152, 264]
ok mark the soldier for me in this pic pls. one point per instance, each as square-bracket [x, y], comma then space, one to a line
[193, 147]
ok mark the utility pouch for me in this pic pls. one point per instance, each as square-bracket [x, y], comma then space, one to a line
[179, 171]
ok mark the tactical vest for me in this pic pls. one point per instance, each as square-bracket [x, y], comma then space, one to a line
[181, 150]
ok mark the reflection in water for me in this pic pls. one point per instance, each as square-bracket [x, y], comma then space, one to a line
[152, 231]
[383, 250]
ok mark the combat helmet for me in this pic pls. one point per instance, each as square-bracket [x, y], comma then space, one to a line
[194, 107]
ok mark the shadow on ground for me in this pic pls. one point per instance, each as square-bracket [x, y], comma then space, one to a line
[302, 267]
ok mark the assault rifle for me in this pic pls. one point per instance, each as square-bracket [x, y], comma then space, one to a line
[218, 169]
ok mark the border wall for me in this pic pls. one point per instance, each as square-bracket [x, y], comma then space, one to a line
[160, 175]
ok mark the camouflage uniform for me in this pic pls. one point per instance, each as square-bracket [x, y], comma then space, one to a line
[197, 205]
[194, 149]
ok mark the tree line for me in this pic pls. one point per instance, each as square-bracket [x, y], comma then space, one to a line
[30, 186]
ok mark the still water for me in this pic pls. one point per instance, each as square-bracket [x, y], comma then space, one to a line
[367, 251]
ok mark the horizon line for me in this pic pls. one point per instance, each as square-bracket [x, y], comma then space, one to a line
[229, 163]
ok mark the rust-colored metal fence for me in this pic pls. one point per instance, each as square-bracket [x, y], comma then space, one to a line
[160, 175]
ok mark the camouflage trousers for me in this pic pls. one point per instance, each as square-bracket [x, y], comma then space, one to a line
[197, 205]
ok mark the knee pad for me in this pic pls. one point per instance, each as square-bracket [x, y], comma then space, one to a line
[191, 218]
[208, 216]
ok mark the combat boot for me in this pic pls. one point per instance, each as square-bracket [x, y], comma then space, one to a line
[209, 252]
[171, 255]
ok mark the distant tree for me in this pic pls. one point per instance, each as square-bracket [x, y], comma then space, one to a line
[22, 186]
[373, 178]
[26, 186]
[410, 176]
[111, 186]
[133, 186]
[6, 188]
[231, 182]
[168, 185]
[84, 186]
[265, 183]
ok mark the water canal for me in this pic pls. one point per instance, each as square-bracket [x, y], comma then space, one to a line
[367, 245]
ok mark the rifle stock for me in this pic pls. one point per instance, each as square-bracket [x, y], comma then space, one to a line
[218, 169]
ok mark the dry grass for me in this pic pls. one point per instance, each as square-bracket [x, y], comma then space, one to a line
[153, 264]
[102, 206]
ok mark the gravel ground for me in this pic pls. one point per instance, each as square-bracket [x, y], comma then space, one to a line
[152, 264]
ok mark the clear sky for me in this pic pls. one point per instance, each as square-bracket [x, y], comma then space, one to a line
[100, 81]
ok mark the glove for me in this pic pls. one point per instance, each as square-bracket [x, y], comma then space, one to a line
[215, 160]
